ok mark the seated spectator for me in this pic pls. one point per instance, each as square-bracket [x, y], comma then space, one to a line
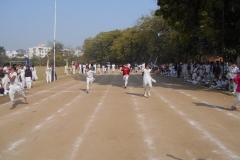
[218, 83]
[230, 85]
[202, 81]
[224, 83]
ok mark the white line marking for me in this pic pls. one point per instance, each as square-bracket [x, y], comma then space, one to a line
[14, 145]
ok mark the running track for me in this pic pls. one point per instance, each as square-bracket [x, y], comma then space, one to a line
[62, 122]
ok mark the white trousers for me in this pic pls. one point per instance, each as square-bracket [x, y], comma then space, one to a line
[13, 89]
[89, 81]
[5, 81]
[125, 78]
[237, 100]
[29, 82]
[84, 70]
[48, 78]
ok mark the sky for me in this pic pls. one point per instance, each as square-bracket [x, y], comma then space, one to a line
[27, 23]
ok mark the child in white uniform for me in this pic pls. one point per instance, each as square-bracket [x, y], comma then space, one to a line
[89, 78]
[147, 80]
[14, 86]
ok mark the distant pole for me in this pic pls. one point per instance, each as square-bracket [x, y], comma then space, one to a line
[54, 40]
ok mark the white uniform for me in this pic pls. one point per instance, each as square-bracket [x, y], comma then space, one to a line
[73, 69]
[21, 73]
[14, 86]
[49, 74]
[80, 69]
[5, 79]
[66, 71]
[113, 68]
[84, 68]
[89, 78]
[34, 74]
[98, 68]
[147, 81]
[95, 68]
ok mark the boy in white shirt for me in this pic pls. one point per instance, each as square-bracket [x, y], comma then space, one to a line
[89, 78]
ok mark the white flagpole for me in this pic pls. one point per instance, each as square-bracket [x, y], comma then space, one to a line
[54, 40]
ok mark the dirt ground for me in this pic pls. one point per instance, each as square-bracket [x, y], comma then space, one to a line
[179, 121]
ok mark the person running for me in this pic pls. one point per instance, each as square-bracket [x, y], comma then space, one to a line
[237, 100]
[147, 80]
[89, 78]
[14, 86]
[125, 71]
[5, 79]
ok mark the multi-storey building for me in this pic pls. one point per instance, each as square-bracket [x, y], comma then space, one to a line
[40, 51]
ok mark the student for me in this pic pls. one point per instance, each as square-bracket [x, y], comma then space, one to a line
[113, 68]
[218, 83]
[14, 86]
[48, 74]
[89, 78]
[237, 100]
[147, 80]
[28, 76]
[66, 71]
[5, 79]
[34, 73]
[21, 73]
[125, 71]
[234, 73]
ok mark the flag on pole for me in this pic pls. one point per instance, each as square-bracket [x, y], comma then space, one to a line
[28, 62]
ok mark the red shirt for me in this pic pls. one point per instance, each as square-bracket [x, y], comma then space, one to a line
[125, 70]
[237, 81]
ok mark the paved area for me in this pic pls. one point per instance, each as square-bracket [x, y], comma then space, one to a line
[62, 122]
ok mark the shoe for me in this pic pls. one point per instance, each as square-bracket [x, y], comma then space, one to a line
[86, 91]
[234, 108]
[13, 104]
[149, 94]
[145, 95]
[125, 87]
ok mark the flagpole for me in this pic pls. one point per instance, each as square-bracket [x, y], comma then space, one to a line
[54, 40]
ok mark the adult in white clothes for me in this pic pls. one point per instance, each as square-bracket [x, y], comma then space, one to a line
[98, 68]
[49, 74]
[66, 71]
[95, 66]
[89, 78]
[5, 79]
[73, 69]
[34, 73]
[147, 80]
[21, 73]
[14, 86]
[80, 69]
[84, 68]
[113, 68]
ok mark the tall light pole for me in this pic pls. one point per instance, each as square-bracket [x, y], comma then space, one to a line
[54, 44]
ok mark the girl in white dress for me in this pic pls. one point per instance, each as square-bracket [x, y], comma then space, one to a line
[89, 78]
[147, 80]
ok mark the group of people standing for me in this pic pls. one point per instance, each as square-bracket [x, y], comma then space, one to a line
[25, 76]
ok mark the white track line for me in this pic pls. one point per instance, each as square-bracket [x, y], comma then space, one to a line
[197, 126]
[80, 138]
[148, 139]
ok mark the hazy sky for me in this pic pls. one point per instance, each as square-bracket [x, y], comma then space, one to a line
[27, 23]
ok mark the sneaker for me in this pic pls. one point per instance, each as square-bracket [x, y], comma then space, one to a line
[234, 108]
[125, 87]
[145, 95]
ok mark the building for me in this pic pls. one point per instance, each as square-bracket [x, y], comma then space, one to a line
[40, 51]
[78, 53]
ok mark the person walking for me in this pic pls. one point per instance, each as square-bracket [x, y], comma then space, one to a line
[125, 71]
[21, 73]
[147, 80]
[48, 74]
[34, 73]
[14, 86]
[89, 78]
[237, 100]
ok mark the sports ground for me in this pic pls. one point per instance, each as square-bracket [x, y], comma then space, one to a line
[178, 121]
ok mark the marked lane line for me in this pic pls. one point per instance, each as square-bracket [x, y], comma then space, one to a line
[211, 106]
[46, 121]
[80, 138]
[37, 92]
[206, 134]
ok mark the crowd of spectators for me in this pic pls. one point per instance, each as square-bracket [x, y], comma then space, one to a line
[214, 75]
